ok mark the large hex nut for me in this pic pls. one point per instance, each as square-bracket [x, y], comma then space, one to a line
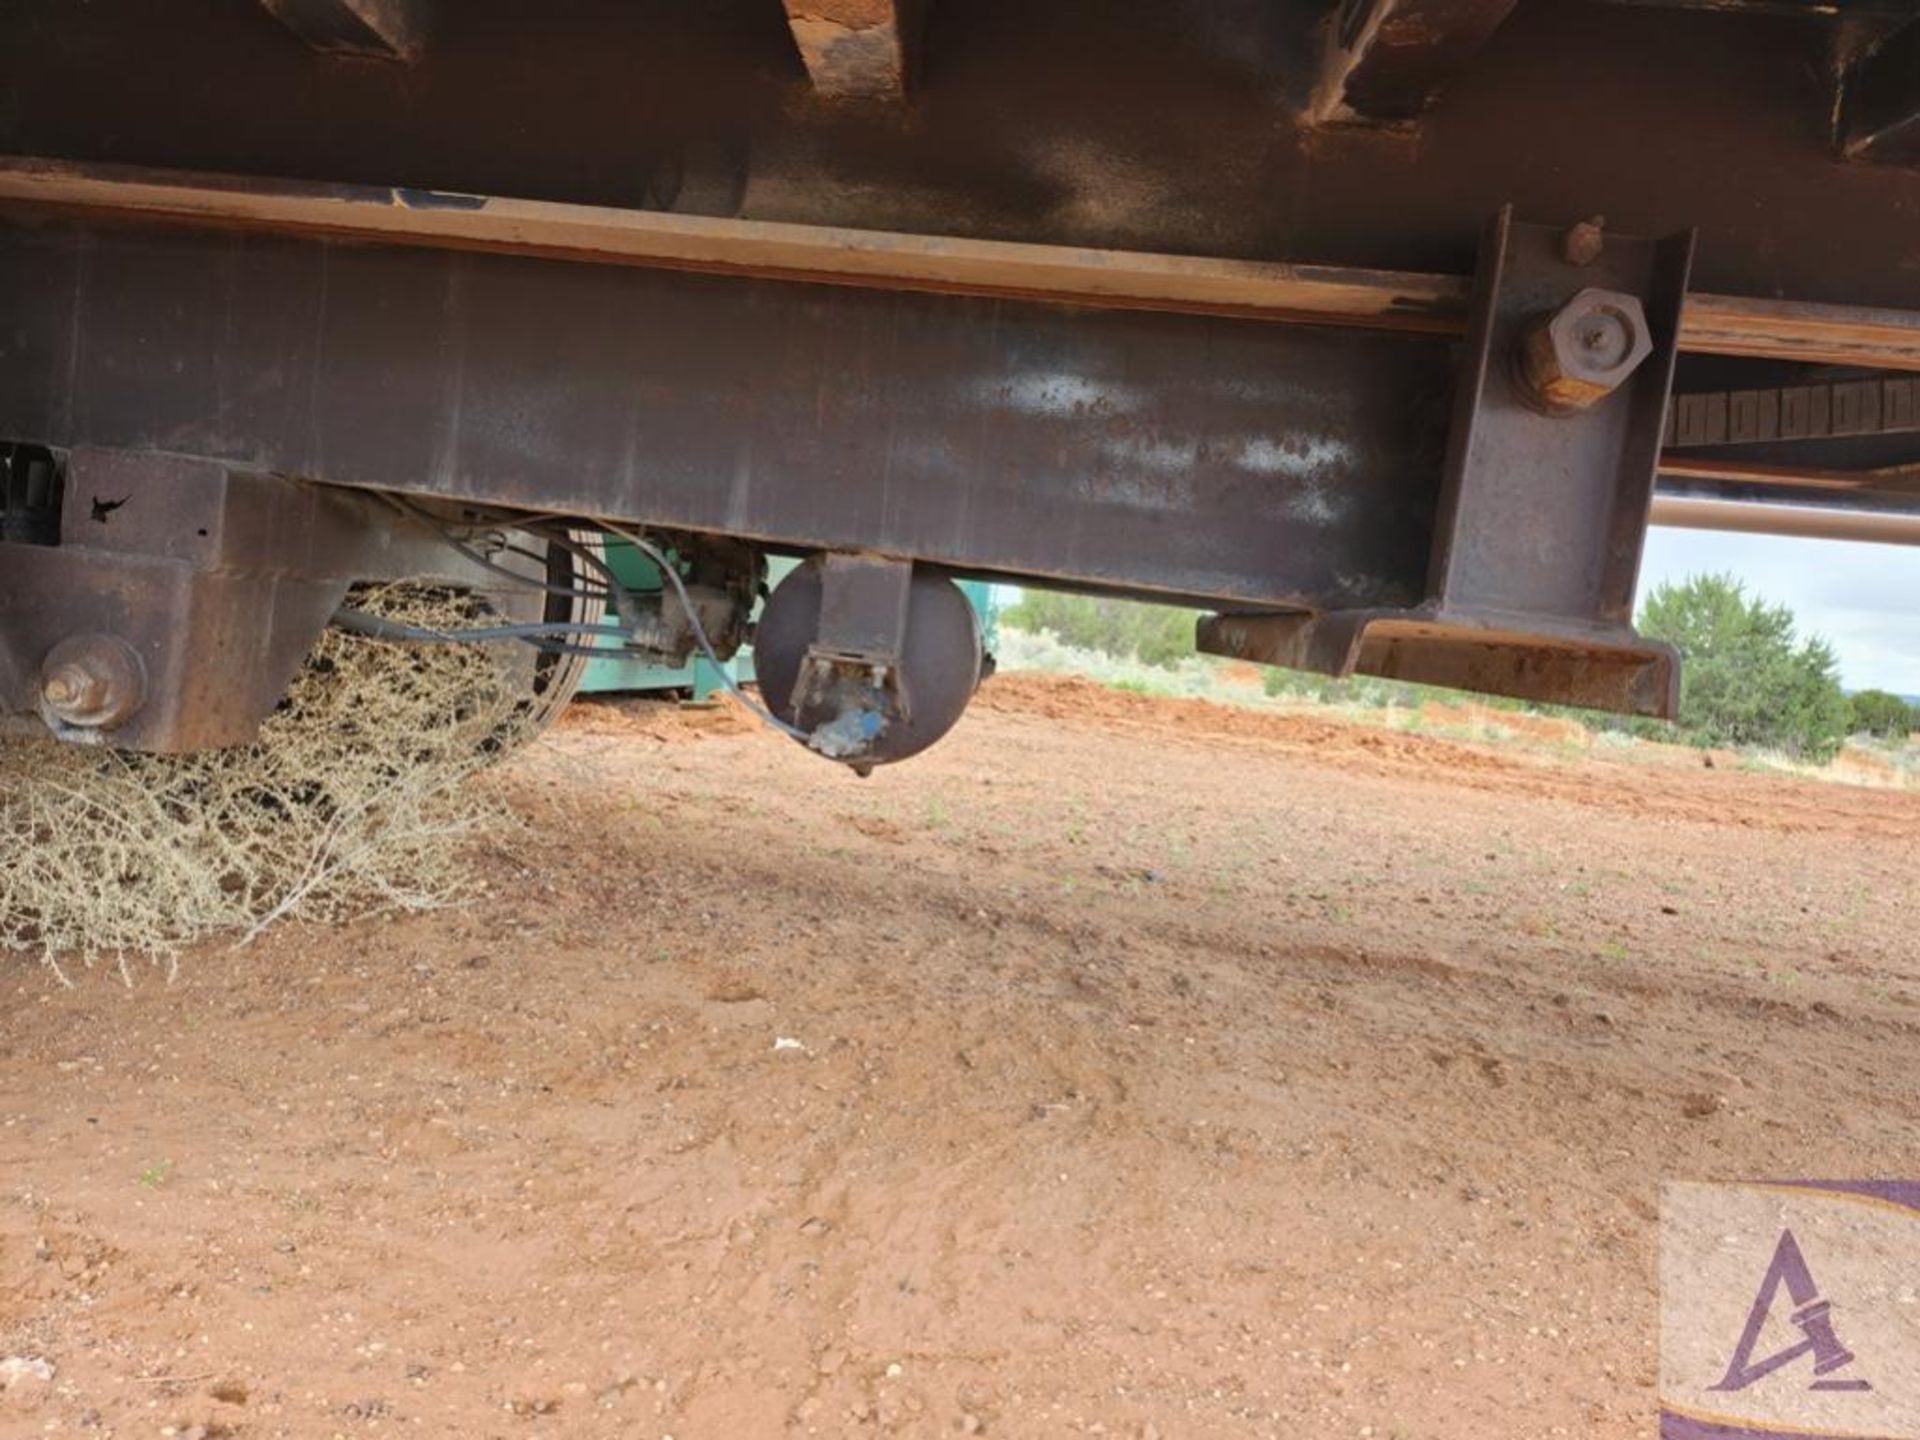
[91, 682]
[1574, 358]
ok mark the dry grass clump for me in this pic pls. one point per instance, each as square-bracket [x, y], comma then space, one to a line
[352, 801]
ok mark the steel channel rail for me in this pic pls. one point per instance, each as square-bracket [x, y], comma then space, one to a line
[1331, 295]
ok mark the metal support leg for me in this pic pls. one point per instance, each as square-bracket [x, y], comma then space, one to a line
[1544, 501]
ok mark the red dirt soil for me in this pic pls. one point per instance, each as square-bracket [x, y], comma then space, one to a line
[1122, 1067]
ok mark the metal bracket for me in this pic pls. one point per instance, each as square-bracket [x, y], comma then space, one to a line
[850, 687]
[182, 596]
[1544, 499]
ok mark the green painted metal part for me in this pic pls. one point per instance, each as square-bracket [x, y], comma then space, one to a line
[698, 677]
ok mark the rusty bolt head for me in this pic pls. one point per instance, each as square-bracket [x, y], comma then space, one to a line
[91, 682]
[1582, 243]
[1574, 358]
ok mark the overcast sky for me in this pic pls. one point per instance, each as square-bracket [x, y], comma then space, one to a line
[1865, 599]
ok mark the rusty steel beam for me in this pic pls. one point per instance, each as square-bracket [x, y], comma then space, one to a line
[1797, 330]
[1545, 504]
[1321, 294]
[1880, 99]
[1386, 59]
[1188, 456]
[1122, 127]
[1529, 658]
[381, 29]
[856, 49]
[759, 248]
[1250, 468]
[1745, 472]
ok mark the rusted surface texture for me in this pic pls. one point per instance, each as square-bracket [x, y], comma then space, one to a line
[1396, 300]
[855, 49]
[1541, 513]
[1385, 59]
[1524, 656]
[382, 29]
[1164, 128]
[1579, 354]
[1221, 461]
[182, 595]
[1196, 284]
[1183, 455]
[1799, 330]
[216, 585]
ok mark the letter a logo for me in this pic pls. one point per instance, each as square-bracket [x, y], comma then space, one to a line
[1811, 1316]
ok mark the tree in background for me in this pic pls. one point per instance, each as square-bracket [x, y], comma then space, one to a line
[1881, 713]
[1153, 634]
[1747, 677]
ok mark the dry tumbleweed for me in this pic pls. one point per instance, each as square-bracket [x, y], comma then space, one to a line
[352, 800]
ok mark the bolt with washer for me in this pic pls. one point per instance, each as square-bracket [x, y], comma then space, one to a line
[1574, 358]
[92, 682]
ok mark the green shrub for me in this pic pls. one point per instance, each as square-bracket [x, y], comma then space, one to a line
[1881, 713]
[1153, 634]
[1747, 677]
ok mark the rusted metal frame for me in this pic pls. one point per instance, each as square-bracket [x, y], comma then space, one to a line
[1198, 458]
[1542, 514]
[1798, 330]
[537, 109]
[1744, 472]
[1893, 484]
[1879, 107]
[382, 29]
[1515, 655]
[756, 248]
[1385, 59]
[863, 607]
[193, 589]
[1334, 295]
[857, 49]
[1201, 459]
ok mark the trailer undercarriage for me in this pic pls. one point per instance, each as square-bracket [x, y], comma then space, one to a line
[1380, 334]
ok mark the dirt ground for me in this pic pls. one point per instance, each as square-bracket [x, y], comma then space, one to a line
[1122, 1067]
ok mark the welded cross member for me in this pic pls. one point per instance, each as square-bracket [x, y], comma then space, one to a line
[1559, 409]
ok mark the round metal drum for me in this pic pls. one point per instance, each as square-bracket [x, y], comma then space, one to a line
[940, 656]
